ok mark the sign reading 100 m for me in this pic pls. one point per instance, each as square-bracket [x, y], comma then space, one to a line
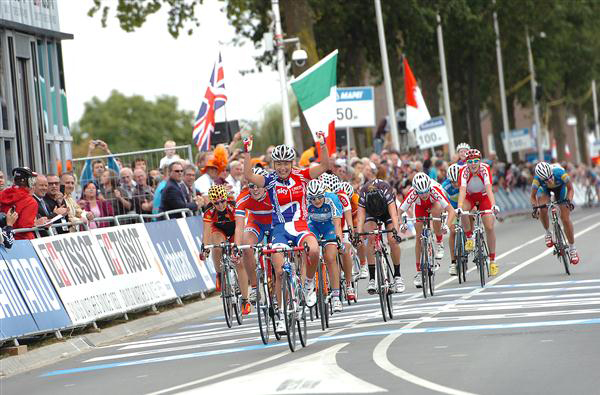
[355, 107]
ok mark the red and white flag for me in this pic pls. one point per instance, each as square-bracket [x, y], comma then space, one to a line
[416, 110]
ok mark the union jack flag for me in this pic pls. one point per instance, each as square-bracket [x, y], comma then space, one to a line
[214, 98]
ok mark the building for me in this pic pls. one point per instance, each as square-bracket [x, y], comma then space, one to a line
[34, 122]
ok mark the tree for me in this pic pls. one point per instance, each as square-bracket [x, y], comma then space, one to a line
[129, 123]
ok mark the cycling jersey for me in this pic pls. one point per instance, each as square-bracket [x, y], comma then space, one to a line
[259, 215]
[354, 206]
[422, 206]
[476, 185]
[331, 208]
[451, 192]
[221, 221]
[557, 183]
[346, 206]
[388, 194]
[288, 196]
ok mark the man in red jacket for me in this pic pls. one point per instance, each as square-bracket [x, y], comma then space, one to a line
[19, 197]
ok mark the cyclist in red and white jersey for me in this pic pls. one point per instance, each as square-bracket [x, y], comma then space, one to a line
[253, 212]
[286, 187]
[475, 189]
[428, 198]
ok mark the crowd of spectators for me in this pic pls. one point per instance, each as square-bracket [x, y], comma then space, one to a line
[107, 187]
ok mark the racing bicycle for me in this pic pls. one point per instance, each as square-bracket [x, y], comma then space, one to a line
[481, 258]
[561, 248]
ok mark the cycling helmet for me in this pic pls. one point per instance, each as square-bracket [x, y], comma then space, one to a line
[347, 188]
[473, 154]
[543, 170]
[463, 146]
[331, 181]
[453, 171]
[283, 153]
[421, 182]
[217, 192]
[260, 171]
[315, 188]
[375, 203]
[23, 176]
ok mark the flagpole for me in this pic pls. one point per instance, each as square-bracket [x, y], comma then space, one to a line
[502, 90]
[534, 102]
[285, 105]
[595, 102]
[447, 112]
[386, 76]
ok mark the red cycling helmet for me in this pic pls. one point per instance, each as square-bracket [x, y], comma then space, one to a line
[473, 154]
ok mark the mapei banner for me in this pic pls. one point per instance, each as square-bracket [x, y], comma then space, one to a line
[104, 272]
[176, 257]
[37, 291]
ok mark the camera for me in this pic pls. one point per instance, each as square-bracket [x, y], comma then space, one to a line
[299, 57]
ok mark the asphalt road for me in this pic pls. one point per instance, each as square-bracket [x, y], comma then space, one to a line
[531, 330]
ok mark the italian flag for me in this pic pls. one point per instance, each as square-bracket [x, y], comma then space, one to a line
[315, 90]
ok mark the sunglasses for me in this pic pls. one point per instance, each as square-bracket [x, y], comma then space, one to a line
[317, 197]
[177, 171]
[221, 201]
[252, 186]
[423, 193]
[473, 161]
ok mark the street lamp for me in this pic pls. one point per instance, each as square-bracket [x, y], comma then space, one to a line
[534, 100]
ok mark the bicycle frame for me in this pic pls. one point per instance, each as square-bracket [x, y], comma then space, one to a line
[558, 238]
[481, 249]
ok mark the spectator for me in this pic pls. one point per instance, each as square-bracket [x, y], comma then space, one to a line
[189, 176]
[139, 163]
[170, 155]
[18, 199]
[114, 194]
[93, 171]
[210, 172]
[2, 181]
[128, 186]
[92, 203]
[75, 213]
[143, 195]
[311, 152]
[173, 196]
[7, 235]
[159, 190]
[236, 172]
[40, 188]
[55, 202]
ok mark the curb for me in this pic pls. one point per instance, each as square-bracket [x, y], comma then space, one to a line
[56, 352]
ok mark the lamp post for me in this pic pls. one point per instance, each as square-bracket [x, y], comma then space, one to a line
[447, 110]
[285, 105]
[536, 109]
[505, 126]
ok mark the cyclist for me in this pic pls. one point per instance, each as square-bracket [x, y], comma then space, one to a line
[462, 149]
[361, 248]
[333, 184]
[219, 226]
[554, 179]
[450, 187]
[475, 189]
[428, 198]
[253, 212]
[324, 221]
[286, 188]
[377, 202]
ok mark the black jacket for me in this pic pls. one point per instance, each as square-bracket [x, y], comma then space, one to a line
[173, 198]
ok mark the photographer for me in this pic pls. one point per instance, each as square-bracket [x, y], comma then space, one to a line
[18, 199]
[92, 170]
[7, 235]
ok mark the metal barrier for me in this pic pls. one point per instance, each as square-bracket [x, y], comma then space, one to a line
[36, 230]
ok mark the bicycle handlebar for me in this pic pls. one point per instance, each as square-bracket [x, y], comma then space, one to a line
[413, 219]
[563, 201]
[375, 232]
[274, 250]
[474, 213]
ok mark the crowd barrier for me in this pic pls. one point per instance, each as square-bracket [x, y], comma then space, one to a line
[72, 280]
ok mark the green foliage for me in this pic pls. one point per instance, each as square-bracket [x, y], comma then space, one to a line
[129, 123]
[270, 129]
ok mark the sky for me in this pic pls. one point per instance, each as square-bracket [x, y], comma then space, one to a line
[149, 62]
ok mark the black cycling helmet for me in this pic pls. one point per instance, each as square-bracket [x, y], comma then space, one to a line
[375, 203]
[23, 176]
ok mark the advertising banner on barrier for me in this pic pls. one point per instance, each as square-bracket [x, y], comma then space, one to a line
[194, 248]
[15, 318]
[92, 281]
[176, 257]
[36, 289]
[196, 226]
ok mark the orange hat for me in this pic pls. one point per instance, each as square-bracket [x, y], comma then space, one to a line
[218, 160]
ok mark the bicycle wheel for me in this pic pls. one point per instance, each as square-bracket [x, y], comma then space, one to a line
[561, 247]
[321, 296]
[262, 307]
[390, 292]
[237, 296]
[355, 277]
[458, 251]
[301, 317]
[464, 257]
[424, 268]
[480, 258]
[226, 297]
[430, 270]
[289, 310]
[381, 286]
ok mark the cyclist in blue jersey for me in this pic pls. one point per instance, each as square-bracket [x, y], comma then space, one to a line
[450, 187]
[554, 179]
[324, 220]
[462, 150]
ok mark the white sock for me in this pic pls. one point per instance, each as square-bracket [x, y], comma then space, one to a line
[310, 283]
[548, 232]
[572, 247]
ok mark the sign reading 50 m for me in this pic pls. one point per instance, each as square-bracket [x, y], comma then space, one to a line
[355, 107]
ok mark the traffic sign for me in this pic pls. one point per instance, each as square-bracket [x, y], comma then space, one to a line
[432, 133]
[355, 107]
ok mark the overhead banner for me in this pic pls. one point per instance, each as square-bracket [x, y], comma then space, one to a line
[15, 318]
[104, 272]
[176, 257]
[37, 291]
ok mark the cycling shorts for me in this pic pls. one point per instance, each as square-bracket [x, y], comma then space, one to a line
[385, 218]
[257, 229]
[225, 232]
[560, 193]
[423, 209]
[323, 230]
[479, 199]
[295, 232]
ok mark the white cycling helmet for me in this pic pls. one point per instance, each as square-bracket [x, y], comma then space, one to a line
[260, 171]
[453, 171]
[347, 188]
[421, 182]
[331, 181]
[283, 153]
[315, 188]
[543, 170]
[462, 146]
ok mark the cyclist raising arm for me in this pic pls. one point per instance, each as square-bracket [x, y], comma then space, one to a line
[554, 179]
[475, 189]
